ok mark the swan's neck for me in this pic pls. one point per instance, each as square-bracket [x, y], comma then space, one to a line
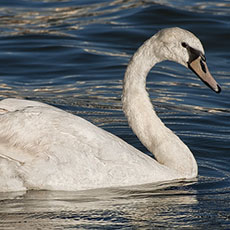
[167, 148]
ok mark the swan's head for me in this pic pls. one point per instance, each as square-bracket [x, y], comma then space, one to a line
[185, 48]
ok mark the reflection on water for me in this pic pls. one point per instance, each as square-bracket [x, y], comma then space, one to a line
[147, 206]
[108, 207]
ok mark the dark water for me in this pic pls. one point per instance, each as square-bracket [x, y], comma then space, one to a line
[73, 54]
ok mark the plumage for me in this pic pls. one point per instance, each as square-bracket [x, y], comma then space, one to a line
[43, 147]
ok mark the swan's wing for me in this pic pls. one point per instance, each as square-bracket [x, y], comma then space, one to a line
[42, 132]
[20, 127]
[48, 148]
[30, 130]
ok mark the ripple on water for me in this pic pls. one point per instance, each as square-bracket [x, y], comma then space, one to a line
[73, 55]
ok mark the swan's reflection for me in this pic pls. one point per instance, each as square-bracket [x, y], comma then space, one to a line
[132, 206]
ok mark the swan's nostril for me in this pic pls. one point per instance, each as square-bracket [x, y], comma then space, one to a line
[203, 66]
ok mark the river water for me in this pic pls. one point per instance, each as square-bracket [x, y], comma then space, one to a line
[73, 54]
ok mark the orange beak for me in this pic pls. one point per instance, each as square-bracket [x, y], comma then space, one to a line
[200, 68]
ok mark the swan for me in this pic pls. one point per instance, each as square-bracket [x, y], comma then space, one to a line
[46, 148]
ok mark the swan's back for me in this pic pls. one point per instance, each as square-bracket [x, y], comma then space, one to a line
[12, 104]
[43, 147]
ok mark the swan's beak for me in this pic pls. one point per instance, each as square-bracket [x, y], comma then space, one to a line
[200, 68]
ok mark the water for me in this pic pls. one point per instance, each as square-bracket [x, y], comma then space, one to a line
[73, 54]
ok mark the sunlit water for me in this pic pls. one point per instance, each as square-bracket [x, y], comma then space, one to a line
[73, 54]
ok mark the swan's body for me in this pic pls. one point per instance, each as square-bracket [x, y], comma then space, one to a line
[42, 147]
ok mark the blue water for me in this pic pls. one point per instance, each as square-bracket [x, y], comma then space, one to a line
[73, 54]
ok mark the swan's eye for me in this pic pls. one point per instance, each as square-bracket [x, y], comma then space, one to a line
[184, 44]
[202, 66]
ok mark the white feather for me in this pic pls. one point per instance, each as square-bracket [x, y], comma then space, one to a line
[42, 147]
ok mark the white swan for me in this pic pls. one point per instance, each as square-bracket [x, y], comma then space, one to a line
[42, 147]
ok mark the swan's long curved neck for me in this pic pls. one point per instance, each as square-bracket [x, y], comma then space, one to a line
[167, 148]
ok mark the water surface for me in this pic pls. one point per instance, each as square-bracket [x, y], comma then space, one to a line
[73, 54]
